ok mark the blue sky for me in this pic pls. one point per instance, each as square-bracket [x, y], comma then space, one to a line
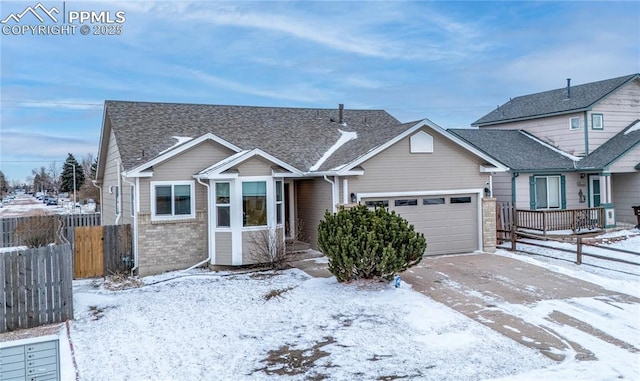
[451, 62]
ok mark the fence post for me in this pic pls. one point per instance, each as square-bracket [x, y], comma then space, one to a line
[579, 251]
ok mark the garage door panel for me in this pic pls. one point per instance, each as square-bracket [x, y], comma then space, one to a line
[448, 228]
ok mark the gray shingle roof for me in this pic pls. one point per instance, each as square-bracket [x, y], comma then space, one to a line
[516, 149]
[298, 136]
[612, 148]
[553, 101]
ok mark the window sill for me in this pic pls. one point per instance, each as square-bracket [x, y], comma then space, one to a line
[173, 220]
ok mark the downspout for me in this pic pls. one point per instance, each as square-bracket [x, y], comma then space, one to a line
[135, 225]
[119, 198]
[95, 184]
[586, 135]
[333, 194]
[209, 241]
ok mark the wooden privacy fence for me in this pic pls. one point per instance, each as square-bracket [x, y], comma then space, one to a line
[11, 236]
[36, 287]
[101, 250]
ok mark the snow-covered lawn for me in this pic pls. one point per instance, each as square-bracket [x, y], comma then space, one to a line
[211, 327]
[287, 325]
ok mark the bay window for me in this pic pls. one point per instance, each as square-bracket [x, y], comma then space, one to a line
[254, 203]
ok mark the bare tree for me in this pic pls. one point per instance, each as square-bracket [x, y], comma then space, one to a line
[54, 173]
[87, 163]
[41, 180]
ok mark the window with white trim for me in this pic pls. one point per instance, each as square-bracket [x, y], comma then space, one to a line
[279, 202]
[597, 121]
[547, 192]
[254, 203]
[223, 205]
[574, 123]
[172, 200]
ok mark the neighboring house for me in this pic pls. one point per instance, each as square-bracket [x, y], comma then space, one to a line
[567, 148]
[197, 181]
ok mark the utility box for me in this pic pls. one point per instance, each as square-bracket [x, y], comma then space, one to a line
[30, 359]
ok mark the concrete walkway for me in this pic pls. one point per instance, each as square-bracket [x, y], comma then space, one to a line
[511, 297]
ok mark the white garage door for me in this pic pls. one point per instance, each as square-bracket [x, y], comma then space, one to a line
[449, 222]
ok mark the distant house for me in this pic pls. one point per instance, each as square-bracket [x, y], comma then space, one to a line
[568, 148]
[197, 181]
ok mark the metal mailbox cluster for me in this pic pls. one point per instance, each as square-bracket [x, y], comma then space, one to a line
[31, 361]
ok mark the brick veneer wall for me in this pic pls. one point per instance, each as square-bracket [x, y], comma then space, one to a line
[489, 225]
[171, 245]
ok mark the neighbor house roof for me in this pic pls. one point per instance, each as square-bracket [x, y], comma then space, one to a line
[613, 148]
[554, 102]
[517, 149]
[297, 136]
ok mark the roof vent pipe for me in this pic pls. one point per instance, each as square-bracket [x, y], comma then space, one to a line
[568, 88]
[340, 110]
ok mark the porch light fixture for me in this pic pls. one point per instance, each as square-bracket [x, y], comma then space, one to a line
[354, 198]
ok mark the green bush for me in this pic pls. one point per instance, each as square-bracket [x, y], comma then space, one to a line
[364, 244]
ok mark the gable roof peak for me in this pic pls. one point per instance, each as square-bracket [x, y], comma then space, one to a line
[568, 99]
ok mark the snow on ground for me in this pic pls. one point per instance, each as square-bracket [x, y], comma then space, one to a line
[611, 275]
[212, 327]
[25, 205]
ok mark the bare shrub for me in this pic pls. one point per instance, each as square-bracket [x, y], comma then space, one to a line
[117, 281]
[37, 230]
[268, 248]
[276, 293]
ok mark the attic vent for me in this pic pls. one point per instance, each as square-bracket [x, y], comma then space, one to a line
[421, 143]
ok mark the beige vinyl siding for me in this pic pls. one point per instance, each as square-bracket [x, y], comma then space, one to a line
[313, 199]
[397, 170]
[255, 167]
[626, 194]
[522, 191]
[502, 187]
[223, 248]
[183, 167]
[110, 181]
[619, 109]
[627, 162]
[125, 196]
[553, 130]
[573, 185]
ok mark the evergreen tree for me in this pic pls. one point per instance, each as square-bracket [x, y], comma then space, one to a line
[67, 174]
[364, 244]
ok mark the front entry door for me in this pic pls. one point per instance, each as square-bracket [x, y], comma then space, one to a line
[594, 190]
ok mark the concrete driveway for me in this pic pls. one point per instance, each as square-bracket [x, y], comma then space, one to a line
[541, 309]
[530, 304]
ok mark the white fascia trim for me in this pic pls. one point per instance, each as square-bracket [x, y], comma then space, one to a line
[353, 172]
[487, 169]
[287, 174]
[179, 149]
[360, 196]
[215, 168]
[561, 152]
[219, 176]
[102, 131]
[243, 156]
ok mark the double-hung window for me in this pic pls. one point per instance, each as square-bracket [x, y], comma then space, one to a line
[279, 202]
[223, 205]
[548, 192]
[597, 122]
[254, 203]
[172, 200]
[574, 123]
